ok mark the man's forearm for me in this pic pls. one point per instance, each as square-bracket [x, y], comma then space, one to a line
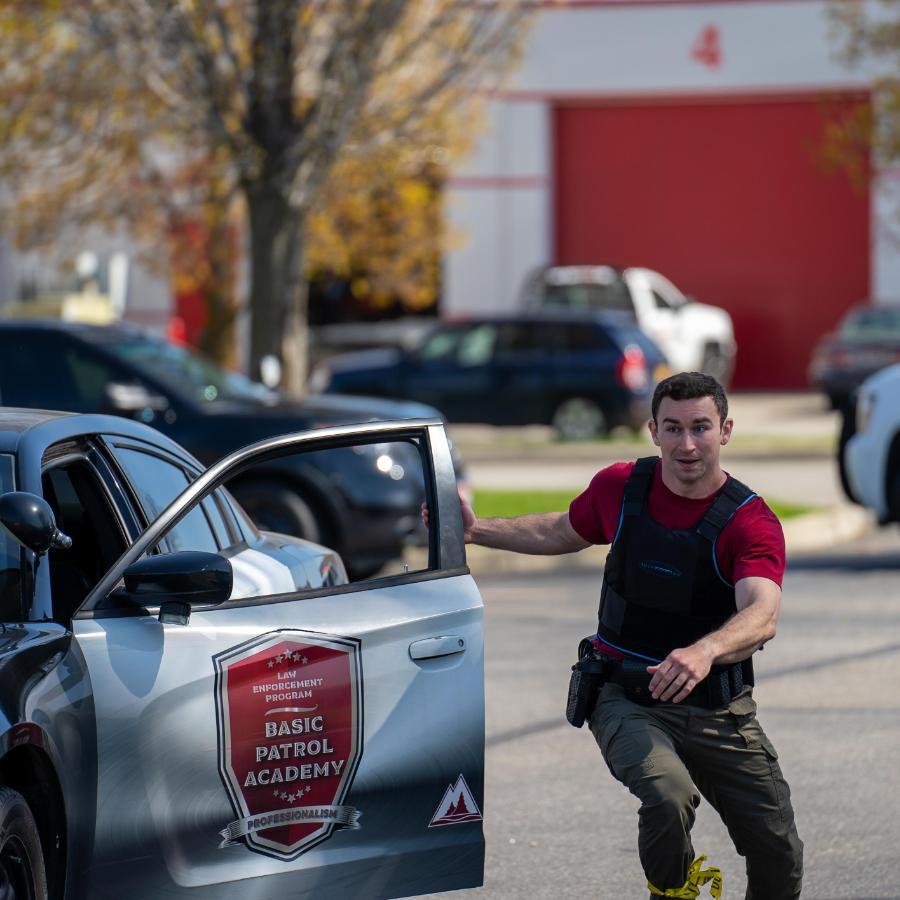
[538, 533]
[743, 634]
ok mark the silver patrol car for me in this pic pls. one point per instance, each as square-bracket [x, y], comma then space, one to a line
[192, 708]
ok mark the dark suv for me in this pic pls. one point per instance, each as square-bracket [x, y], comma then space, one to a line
[343, 500]
[581, 372]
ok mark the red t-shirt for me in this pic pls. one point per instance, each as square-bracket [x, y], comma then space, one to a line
[751, 544]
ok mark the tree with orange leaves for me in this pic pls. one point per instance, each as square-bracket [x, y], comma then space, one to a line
[148, 111]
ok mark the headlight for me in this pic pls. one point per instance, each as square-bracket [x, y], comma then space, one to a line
[864, 407]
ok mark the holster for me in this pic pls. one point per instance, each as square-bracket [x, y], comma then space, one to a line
[588, 676]
[634, 679]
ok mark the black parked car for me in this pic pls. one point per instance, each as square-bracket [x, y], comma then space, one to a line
[867, 339]
[582, 372]
[350, 501]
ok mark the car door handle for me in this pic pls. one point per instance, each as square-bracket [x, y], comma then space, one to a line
[446, 645]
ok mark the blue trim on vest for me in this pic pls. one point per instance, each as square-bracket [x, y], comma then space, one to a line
[716, 541]
[629, 652]
[619, 526]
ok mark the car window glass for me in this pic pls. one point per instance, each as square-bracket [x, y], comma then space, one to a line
[520, 337]
[214, 514]
[33, 371]
[477, 345]
[660, 301]
[441, 344]
[294, 548]
[872, 323]
[156, 482]
[84, 512]
[90, 375]
[614, 296]
[10, 554]
[579, 337]
[182, 369]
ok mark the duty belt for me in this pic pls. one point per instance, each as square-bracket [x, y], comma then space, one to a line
[718, 689]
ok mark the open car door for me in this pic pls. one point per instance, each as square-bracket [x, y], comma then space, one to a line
[324, 742]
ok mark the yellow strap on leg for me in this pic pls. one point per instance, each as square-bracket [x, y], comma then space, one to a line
[697, 877]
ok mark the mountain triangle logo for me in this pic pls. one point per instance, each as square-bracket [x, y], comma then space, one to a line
[457, 806]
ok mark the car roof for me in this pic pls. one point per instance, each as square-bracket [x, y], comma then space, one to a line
[543, 315]
[595, 273]
[13, 422]
[28, 433]
[100, 334]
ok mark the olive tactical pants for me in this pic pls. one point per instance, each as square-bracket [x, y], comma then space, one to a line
[668, 754]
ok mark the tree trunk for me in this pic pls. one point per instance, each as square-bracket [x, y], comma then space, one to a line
[217, 339]
[278, 293]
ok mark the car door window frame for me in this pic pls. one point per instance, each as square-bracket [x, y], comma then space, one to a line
[446, 546]
[87, 452]
[13, 553]
[190, 472]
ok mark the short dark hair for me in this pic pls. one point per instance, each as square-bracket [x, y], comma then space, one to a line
[691, 386]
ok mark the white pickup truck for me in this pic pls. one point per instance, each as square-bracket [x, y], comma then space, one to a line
[693, 336]
[872, 456]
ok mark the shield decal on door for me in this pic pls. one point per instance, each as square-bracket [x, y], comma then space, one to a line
[289, 718]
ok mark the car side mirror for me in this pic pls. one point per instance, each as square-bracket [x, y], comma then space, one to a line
[176, 582]
[133, 397]
[30, 520]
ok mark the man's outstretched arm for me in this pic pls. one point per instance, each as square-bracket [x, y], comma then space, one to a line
[538, 533]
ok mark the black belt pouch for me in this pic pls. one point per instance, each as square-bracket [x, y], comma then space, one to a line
[584, 685]
[634, 679]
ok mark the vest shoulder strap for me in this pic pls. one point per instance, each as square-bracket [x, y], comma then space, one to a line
[732, 496]
[638, 485]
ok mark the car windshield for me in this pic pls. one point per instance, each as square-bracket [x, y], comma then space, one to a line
[10, 555]
[866, 324]
[180, 368]
[613, 295]
[467, 345]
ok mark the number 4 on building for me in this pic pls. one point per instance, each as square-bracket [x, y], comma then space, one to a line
[707, 49]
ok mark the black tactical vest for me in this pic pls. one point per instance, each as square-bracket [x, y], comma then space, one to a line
[662, 588]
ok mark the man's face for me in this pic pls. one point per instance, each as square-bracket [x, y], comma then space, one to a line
[690, 436]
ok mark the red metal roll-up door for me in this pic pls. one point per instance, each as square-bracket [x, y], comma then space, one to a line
[727, 199]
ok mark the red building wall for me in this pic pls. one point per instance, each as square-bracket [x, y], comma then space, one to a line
[725, 197]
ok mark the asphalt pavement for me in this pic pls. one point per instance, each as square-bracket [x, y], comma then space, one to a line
[559, 826]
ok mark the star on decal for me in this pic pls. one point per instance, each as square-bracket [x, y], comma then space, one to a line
[275, 792]
[271, 664]
[305, 660]
[279, 658]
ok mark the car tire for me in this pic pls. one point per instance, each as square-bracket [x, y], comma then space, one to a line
[893, 494]
[848, 429]
[279, 508]
[579, 419]
[22, 873]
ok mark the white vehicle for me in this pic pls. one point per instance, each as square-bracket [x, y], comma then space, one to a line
[693, 336]
[872, 456]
